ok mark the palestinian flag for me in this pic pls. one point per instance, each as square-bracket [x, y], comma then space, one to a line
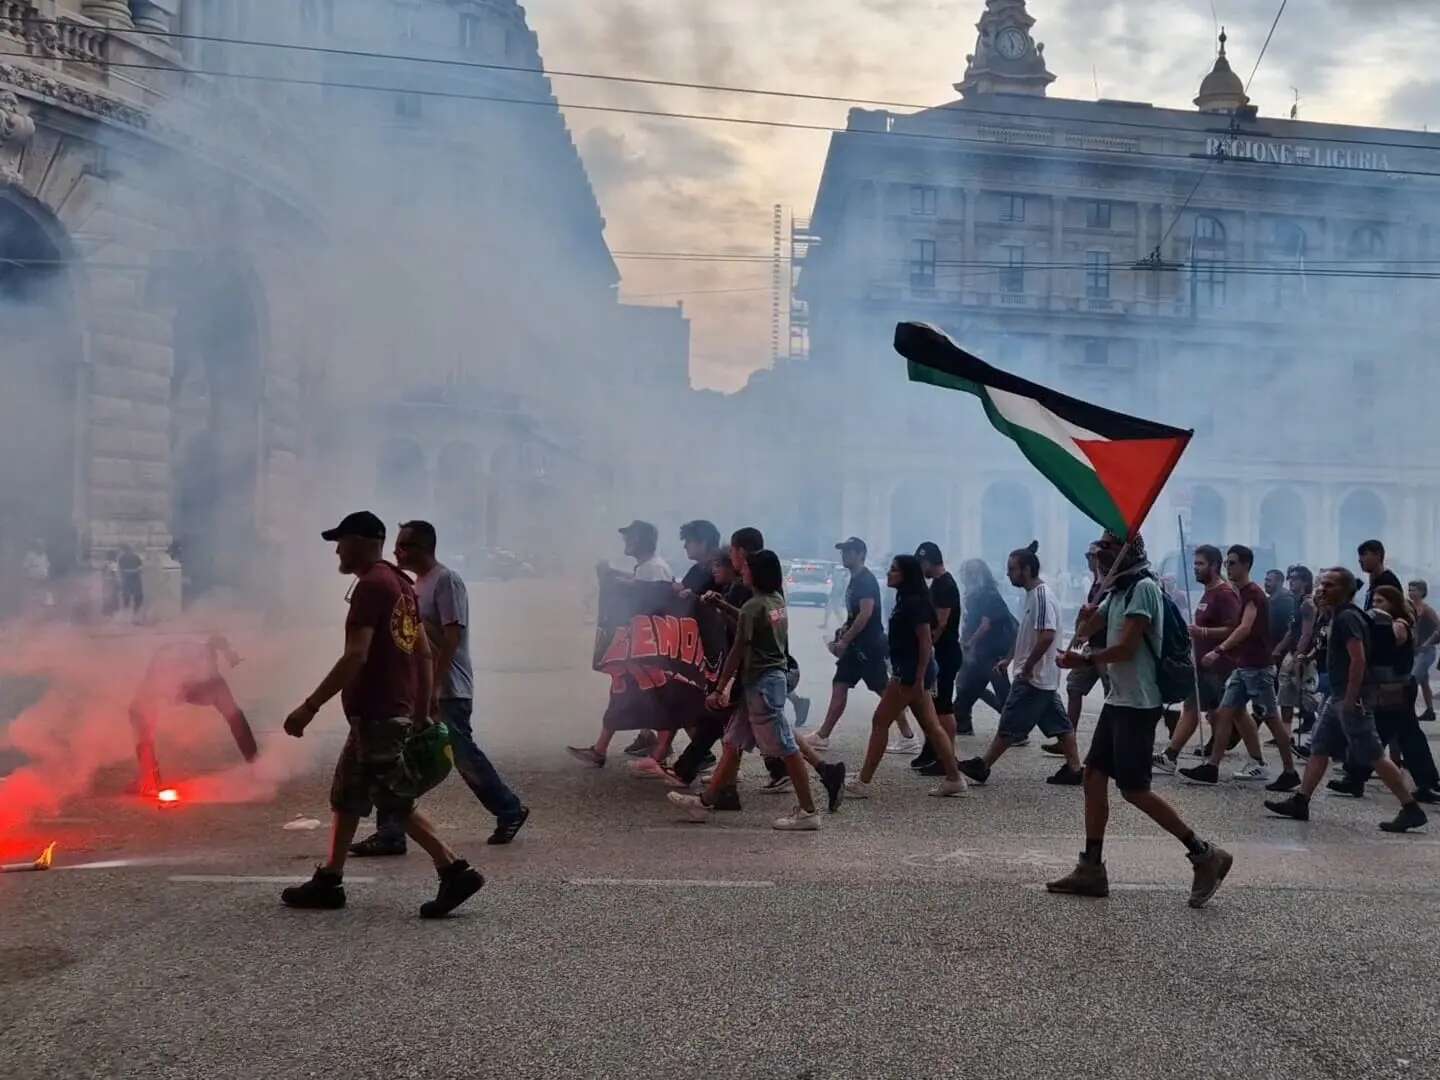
[1110, 465]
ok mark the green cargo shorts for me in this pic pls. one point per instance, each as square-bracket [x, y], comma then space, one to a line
[371, 773]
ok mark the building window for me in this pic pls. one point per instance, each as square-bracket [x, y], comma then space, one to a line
[1097, 275]
[1096, 353]
[1207, 272]
[1287, 243]
[472, 37]
[1366, 242]
[922, 264]
[1012, 208]
[1012, 278]
[1097, 215]
[923, 200]
[408, 106]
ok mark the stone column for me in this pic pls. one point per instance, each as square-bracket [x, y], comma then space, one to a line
[157, 16]
[109, 12]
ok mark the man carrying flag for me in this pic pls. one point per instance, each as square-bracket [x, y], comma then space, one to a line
[1112, 467]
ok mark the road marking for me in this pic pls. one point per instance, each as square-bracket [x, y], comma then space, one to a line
[673, 883]
[256, 879]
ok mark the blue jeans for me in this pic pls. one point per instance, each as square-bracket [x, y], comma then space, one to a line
[472, 765]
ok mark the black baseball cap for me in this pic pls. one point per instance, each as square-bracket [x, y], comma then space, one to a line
[853, 544]
[929, 552]
[361, 523]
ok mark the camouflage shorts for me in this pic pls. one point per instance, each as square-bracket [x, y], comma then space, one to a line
[372, 772]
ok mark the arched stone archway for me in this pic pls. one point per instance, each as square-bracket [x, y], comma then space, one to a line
[1282, 525]
[40, 353]
[216, 388]
[1207, 518]
[401, 478]
[1362, 517]
[1007, 522]
[460, 495]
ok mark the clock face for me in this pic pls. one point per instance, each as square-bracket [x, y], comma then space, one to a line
[1011, 43]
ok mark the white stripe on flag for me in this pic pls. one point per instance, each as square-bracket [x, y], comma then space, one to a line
[1029, 414]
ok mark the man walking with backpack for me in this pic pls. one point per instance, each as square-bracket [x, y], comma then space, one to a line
[1134, 615]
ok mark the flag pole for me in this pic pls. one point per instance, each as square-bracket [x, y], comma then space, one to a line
[1190, 604]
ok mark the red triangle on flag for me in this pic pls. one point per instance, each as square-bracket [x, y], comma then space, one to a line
[1133, 470]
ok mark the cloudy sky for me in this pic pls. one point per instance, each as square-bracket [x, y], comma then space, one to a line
[690, 186]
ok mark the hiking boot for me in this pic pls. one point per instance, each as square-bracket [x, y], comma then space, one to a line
[1210, 869]
[1202, 774]
[1087, 879]
[1409, 817]
[324, 891]
[1286, 781]
[833, 777]
[375, 845]
[643, 743]
[505, 830]
[1296, 806]
[1066, 777]
[975, 769]
[458, 882]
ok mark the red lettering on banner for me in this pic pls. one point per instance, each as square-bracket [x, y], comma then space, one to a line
[689, 640]
[647, 678]
[668, 629]
[618, 683]
[642, 637]
[619, 649]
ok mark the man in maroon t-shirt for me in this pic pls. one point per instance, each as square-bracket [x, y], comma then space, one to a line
[1216, 615]
[1247, 647]
[384, 682]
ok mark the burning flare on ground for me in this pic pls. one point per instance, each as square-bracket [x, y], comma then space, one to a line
[43, 861]
[167, 797]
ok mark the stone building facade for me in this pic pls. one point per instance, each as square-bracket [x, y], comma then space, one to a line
[240, 300]
[1214, 269]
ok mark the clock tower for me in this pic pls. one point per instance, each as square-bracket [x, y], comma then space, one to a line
[1007, 59]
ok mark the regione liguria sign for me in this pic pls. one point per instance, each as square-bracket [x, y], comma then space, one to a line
[1268, 151]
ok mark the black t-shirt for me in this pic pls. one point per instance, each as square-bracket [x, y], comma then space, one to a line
[1390, 661]
[989, 604]
[911, 612]
[944, 593]
[1387, 577]
[1282, 615]
[699, 579]
[1349, 624]
[1321, 645]
[863, 586]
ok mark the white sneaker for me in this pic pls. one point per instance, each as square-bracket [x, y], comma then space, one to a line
[648, 767]
[858, 789]
[950, 789]
[903, 745]
[1252, 770]
[815, 740]
[694, 808]
[798, 820]
[1162, 764]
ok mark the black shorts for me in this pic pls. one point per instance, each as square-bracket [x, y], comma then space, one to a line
[950, 660]
[1212, 689]
[854, 668]
[1123, 746]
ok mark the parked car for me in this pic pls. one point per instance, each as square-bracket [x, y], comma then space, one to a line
[809, 582]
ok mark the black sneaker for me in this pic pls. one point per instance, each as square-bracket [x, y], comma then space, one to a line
[376, 845]
[728, 799]
[832, 775]
[458, 882]
[1350, 788]
[1201, 774]
[709, 761]
[643, 743]
[1302, 750]
[1053, 748]
[324, 891]
[1210, 870]
[505, 830]
[933, 769]
[1429, 796]
[975, 769]
[1286, 781]
[925, 757]
[1296, 806]
[777, 784]
[1428, 716]
[967, 728]
[1067, 777]
[1409, 817]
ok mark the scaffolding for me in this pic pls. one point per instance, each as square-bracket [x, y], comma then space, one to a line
[802, 241]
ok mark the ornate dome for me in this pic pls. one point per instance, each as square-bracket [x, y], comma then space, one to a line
[1222, 91]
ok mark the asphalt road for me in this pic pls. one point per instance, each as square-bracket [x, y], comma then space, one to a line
[910, 937]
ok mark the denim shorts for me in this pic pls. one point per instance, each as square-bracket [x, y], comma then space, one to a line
[1254, 684]
[1348, 732]
[761, 723]
[1424, 664]
[1029, 707]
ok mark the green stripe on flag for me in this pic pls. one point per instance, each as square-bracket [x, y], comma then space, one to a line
[1077, 482]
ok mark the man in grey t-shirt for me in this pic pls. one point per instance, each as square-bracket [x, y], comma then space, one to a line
[445, 612]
